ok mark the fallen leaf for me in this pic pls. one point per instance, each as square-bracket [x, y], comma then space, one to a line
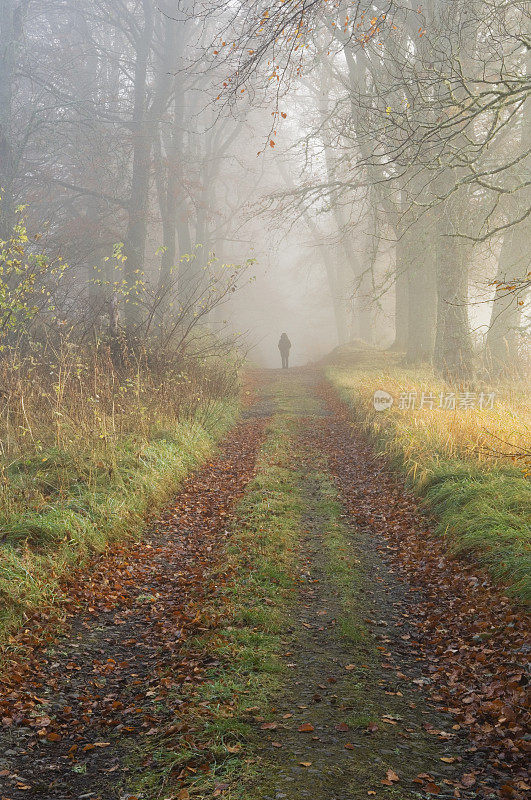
[306, 727]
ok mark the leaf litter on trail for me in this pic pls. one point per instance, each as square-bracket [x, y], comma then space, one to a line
[109, 664]
[306, 727]
[390, 778]
[342, 727]
[469, 637]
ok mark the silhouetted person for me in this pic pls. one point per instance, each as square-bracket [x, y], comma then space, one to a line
[284, 346]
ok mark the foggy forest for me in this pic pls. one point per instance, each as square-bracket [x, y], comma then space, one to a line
[264, 401]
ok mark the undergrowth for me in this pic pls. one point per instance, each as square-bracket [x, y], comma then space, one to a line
[94, 506]
[481, 499]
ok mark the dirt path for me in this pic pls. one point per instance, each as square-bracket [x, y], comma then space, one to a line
[345, 723]
[404, 670]
[395, 694]
[75, 708]
[470, 640]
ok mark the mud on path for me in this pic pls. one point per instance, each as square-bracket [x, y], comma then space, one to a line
[76, 703]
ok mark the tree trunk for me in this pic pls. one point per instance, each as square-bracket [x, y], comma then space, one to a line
[502, 337]
[401, 297]
[362, 324]
[10, 34]
[453, 355]
[339, 295]
[422, 292]
[171, 188]
[135, 241]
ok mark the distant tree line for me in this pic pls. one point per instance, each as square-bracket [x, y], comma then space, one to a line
[107, 140]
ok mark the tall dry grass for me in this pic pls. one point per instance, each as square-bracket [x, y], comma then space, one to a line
[86, 450]
[488, 436]
[470, 465]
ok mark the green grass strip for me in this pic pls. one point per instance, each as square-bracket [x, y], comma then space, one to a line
[262, 555]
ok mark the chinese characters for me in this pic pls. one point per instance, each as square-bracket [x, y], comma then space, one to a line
[446, 401]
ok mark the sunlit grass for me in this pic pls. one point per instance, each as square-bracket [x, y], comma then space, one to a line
[470, 465]
[489, 436]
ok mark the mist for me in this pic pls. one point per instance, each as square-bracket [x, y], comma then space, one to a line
[264, 400]
[352, 172]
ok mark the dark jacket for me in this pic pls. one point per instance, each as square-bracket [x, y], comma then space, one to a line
[284, 344]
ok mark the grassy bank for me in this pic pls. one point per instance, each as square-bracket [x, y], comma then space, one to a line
[61, 504]
[465, 463]
[88, 449]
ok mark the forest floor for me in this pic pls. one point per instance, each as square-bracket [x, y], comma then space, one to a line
[289, 628]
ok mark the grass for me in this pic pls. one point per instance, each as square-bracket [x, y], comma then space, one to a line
[488, 437]
[87, 451]
[462, 463]
[88, 504]
[342, 567]
[261, 556]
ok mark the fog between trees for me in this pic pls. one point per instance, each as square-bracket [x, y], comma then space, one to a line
[371, 159]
